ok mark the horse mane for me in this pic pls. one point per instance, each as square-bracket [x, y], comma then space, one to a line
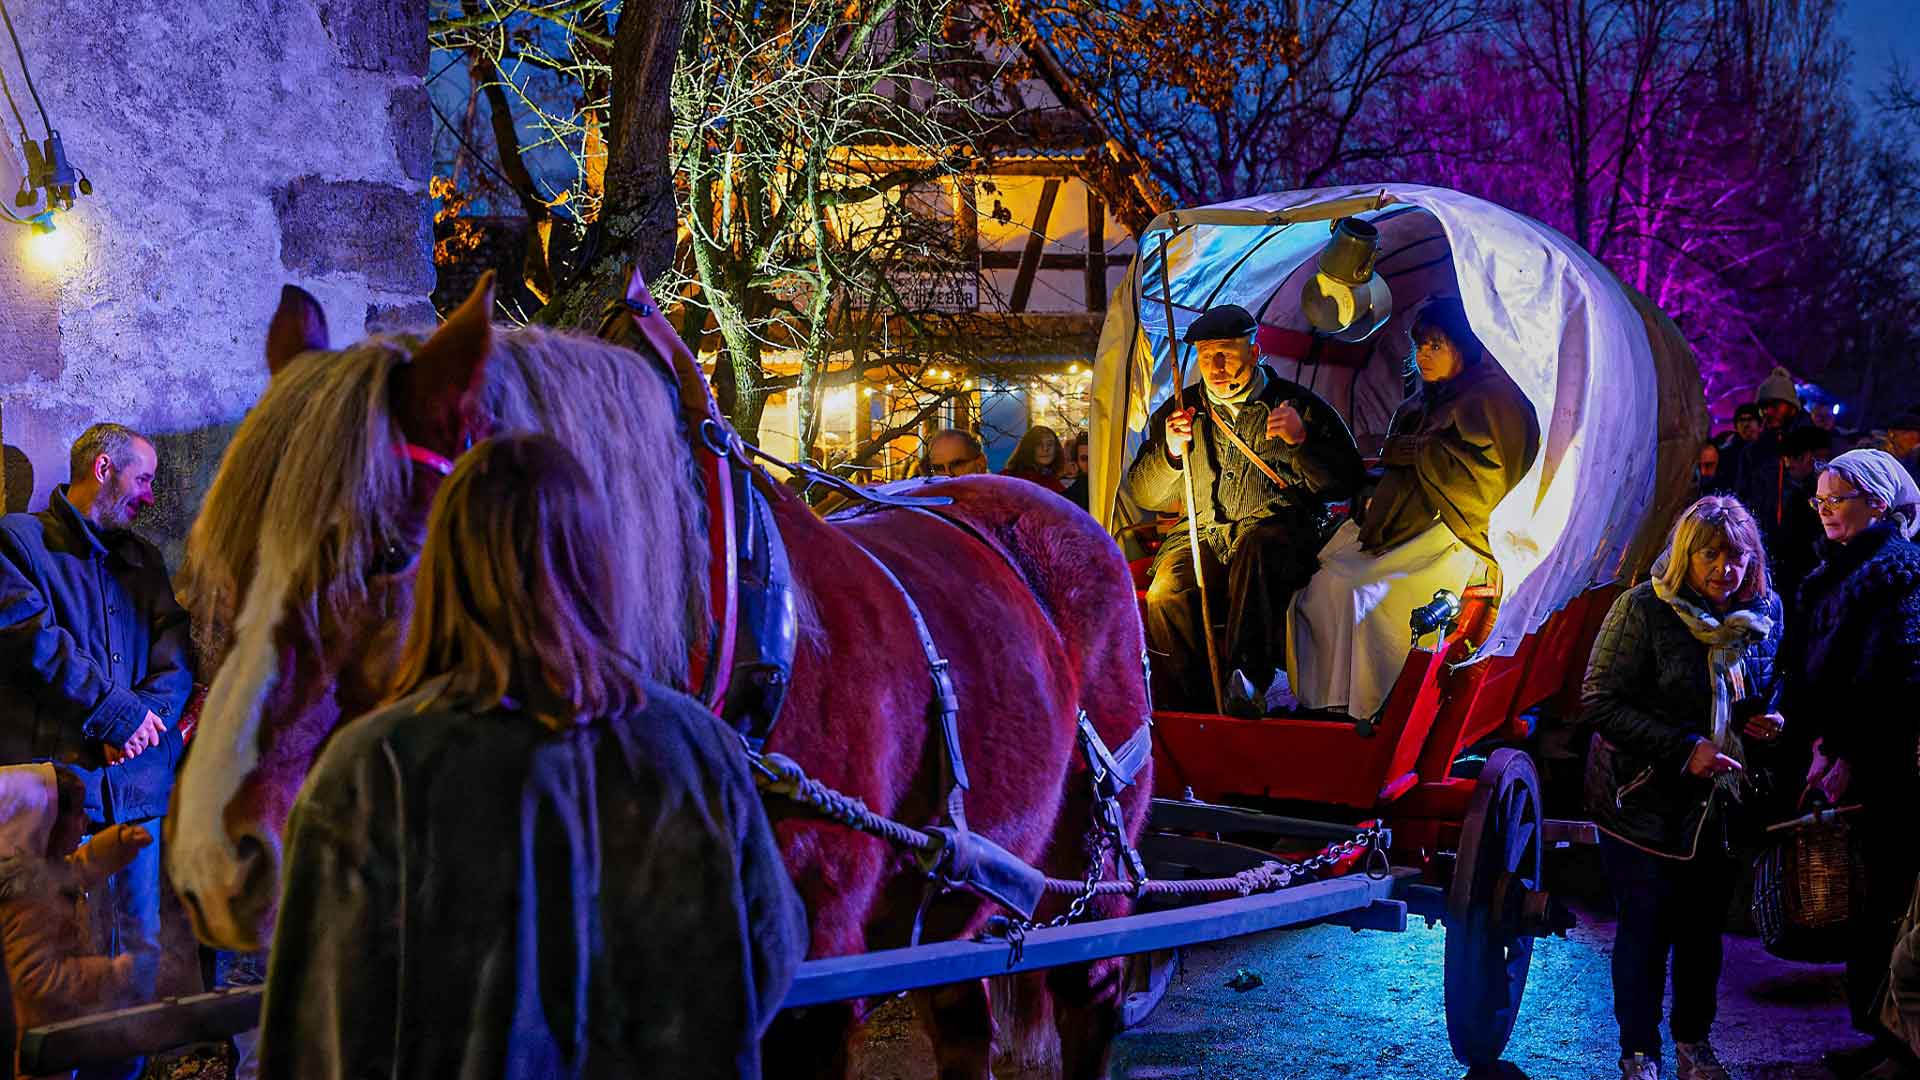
[307, 487]
[617, 413]
[311, 482]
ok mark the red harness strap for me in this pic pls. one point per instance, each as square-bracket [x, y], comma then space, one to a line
[710, 668]
[420, 455]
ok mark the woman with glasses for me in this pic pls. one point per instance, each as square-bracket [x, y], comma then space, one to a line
[1856, 680]
[1681, 677]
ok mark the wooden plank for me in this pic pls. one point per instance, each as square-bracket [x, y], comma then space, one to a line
[1355, 900]
[893, 970]
[105, 1038]
[1195, 816]
[1096, 252]
[1055, 260]
[1036, 242]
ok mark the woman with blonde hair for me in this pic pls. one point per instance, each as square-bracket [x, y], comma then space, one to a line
[1681, 675]
[535, 861]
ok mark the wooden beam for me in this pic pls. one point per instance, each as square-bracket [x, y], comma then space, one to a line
[1036, 243]
[1096, 252]
[1357, 900]
[1054, 260]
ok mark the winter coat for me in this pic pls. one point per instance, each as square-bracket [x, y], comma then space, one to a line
[1856, 675]
[1795, 547]
[1453, 451]
[468, 893]
[1762, 484]
[91, 639]
[1648, 699]
[53, 972]
[1233, 494]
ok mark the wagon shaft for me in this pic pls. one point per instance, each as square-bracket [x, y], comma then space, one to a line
[1356, 900]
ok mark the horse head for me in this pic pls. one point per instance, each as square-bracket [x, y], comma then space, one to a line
[299, 576]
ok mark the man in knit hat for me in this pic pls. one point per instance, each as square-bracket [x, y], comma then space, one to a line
[1762, 482]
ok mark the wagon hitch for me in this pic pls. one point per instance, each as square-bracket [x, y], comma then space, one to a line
[1524, 910]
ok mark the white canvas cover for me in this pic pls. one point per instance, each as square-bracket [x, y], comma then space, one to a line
[1550, 314]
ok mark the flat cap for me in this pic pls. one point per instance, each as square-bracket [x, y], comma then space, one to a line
[1219, 323]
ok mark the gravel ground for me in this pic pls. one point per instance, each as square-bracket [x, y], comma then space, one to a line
[1335, 1003]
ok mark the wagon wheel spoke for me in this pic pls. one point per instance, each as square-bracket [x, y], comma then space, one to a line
[1486, 962]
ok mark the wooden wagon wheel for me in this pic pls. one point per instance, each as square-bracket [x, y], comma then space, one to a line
[1497, 869]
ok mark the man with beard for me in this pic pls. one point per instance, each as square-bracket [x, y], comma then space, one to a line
[1268, 456]
[95, 667]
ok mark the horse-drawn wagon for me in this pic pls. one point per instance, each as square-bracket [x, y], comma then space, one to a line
[1257, 824]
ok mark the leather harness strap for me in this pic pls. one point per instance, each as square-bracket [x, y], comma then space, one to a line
[946, 703]
[1240, 444]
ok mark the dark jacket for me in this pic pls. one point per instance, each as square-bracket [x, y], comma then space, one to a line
[91, 638]
[1233, 494]
[1762, 483]
[1647, 698]
[469, 894]
[1856, 675]
[1795, 547]
[1453, 451]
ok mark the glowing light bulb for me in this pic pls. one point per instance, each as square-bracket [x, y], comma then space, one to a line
[49, 244]
[1073, 369]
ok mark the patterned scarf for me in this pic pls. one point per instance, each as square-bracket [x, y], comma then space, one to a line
[1726, 638]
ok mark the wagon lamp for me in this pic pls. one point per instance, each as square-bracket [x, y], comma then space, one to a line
[1345, 298]
[1440, 613]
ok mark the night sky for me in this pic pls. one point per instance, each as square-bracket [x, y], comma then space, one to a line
[1881, 32]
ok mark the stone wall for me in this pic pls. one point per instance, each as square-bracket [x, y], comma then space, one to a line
[234, 146]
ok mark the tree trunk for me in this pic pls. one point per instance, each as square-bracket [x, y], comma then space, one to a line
[639, 218]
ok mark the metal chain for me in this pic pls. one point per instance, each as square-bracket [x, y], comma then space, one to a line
[1097, 844]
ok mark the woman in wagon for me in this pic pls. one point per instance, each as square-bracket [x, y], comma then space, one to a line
[535, 861]
[1855, 676]
[1462, 439]
[1682, 675]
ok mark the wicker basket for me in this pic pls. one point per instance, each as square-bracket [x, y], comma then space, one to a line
[1804, 883]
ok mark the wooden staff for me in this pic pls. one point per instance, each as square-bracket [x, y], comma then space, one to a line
[1186, 472]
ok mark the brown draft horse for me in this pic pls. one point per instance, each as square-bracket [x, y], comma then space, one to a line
[299, 576]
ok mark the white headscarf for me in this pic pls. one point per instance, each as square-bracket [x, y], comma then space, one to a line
[1880, 475]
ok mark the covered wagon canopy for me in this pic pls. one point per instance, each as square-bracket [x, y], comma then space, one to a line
[1611, 380]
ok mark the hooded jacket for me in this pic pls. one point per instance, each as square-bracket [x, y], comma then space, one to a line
[1454, 450]
[91, 639]
[52, 970]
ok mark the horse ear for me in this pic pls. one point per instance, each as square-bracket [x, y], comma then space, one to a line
[298, 326]
[447, 371]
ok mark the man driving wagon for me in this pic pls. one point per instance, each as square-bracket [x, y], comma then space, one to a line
[1271, 456]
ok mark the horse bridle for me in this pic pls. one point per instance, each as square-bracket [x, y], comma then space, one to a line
[395, 556]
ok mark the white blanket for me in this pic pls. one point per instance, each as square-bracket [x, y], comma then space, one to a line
[1347, 635]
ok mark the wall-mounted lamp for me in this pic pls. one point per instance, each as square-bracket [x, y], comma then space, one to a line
[48, 243]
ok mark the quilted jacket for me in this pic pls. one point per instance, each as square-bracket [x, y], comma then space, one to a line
[1647, 698]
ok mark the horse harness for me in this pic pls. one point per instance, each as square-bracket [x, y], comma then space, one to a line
[744, 672]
